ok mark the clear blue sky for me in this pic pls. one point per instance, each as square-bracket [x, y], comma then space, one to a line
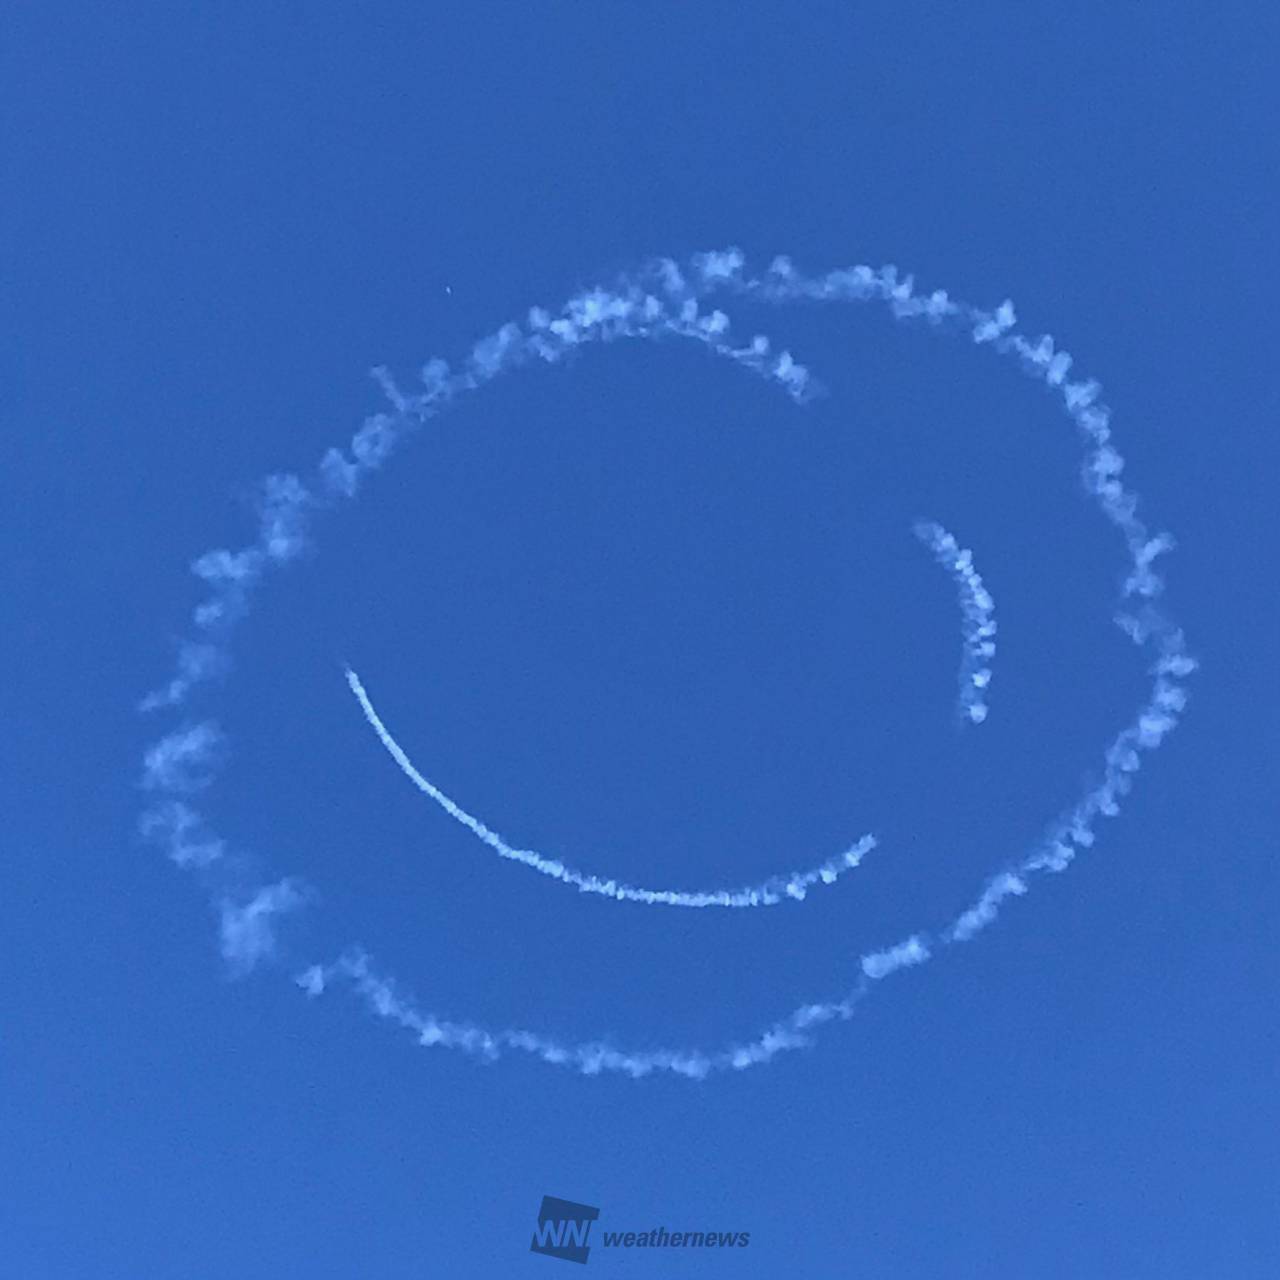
[644, 613]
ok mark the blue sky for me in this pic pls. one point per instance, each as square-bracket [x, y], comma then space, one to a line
[643, 612]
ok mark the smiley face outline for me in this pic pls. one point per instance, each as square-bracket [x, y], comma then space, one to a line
[660, 300]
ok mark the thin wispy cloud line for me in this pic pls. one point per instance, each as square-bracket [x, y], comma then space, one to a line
[794, 886]
[977, 610]
[384, 997]
[660, 301]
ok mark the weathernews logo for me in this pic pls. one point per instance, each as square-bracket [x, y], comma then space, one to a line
[565, 1227]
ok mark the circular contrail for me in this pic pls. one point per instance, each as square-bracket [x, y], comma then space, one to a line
[661, 300]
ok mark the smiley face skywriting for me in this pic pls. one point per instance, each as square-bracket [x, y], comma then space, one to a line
[661, 301]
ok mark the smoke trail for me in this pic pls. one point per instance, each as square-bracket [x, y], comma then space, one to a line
[978, 610]
[660, 301]
[593, 1057]
[286, 504]
[589, 1058]
[766, 894]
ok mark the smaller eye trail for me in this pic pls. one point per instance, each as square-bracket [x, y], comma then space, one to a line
[794, 885]
[978, 610]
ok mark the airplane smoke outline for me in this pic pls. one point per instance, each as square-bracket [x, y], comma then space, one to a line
[779, 888]
[978, 633]
[977, 610]
[661, 300]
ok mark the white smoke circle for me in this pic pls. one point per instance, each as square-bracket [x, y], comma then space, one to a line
[662, 300]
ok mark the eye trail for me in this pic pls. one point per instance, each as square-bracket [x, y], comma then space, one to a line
[978, 610]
